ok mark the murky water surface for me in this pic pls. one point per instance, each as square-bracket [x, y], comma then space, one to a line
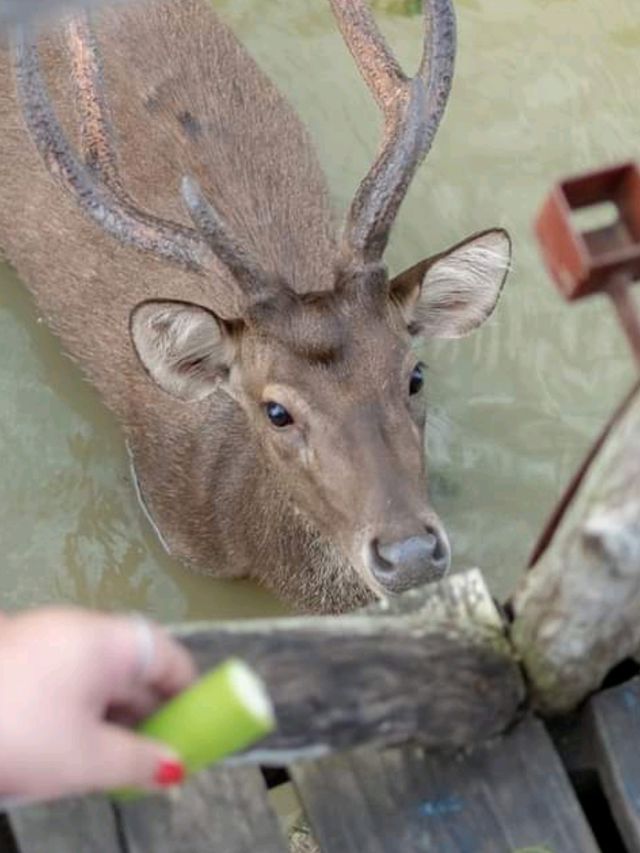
[543, 88]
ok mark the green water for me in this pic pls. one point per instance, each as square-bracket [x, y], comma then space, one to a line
[543, 88]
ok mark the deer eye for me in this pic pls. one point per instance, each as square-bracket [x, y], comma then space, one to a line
[277, 414]
[416, 381]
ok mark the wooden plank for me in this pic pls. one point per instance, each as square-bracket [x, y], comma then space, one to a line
[438, 670]
[218, 811]
[614, 722]
[84, 825]
[504, 797]
[577, 612]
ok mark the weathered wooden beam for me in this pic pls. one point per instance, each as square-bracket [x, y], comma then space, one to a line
[435, 668]
[577, 612]
[511, 794]
[219, 809]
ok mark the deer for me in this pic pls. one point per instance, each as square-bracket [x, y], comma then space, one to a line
[164, 205]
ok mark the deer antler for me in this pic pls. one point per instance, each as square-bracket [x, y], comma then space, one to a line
[222, 242]
[412, 109]
[95, 182]
[95, 133]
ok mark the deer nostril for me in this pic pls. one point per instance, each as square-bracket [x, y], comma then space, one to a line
[441, 552]
[409, 562]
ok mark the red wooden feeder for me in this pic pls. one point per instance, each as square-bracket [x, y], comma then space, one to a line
[604, 259]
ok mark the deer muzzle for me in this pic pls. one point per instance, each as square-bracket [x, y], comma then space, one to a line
[402, 564]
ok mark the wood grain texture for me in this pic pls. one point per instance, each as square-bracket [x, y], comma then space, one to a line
[440, 673]
[577, 612]
[83, 825]
[503, 797]
[218, 811]
[614, 723]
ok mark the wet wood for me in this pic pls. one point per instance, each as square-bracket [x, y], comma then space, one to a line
[506, 796]
[86, 824]
[577, 612]
[218, 810]
[436, 669]
[614, 724]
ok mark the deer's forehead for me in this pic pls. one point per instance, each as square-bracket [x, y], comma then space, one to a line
[328, 327]
[327, 352]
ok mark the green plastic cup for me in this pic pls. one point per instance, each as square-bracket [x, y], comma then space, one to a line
[225, 711]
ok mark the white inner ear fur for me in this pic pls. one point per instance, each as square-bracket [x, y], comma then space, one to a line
[182, 347]
[461, 289]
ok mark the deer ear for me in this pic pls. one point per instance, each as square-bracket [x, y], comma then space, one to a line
[185, 349]
[453, 293]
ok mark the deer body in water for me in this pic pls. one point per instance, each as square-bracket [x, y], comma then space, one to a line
[165, 206]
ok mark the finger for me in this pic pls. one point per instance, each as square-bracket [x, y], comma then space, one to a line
[172, 668]
[121, 759]
[134, 705]
[142, 655]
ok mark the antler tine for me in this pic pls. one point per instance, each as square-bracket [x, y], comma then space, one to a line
[412, 108]
[96, 184]
[95, 132]
[117, 215]
[243, 266]
[378, 66]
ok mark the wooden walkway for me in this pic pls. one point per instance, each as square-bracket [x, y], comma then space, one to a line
[510, 796]
[435, 671]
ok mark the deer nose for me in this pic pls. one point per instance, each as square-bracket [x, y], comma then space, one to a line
[406, 563]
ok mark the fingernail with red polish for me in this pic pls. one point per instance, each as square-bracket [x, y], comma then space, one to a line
[169, 773]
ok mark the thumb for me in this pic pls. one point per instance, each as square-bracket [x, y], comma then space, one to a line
[121, 759]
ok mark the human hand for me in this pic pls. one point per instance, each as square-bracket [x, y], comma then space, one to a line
[70, 682]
